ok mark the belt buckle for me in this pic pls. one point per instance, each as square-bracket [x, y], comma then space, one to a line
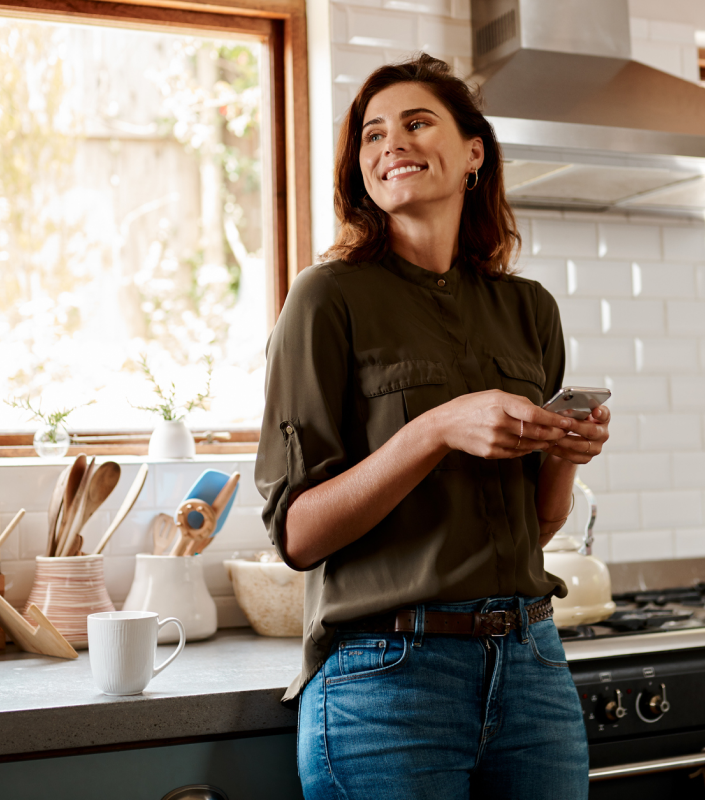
[505, 622]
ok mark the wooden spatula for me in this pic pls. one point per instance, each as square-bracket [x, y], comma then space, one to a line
[101, 483]
[163, 530]
[76, 510]
[73, 481]
[55, 505]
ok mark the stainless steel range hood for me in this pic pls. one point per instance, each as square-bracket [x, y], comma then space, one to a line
[581, 124]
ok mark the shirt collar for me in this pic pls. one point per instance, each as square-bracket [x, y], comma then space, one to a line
[445, 282]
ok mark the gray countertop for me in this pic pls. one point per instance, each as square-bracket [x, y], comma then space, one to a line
[230, 683]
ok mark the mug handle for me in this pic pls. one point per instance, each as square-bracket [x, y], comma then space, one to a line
[180, 646]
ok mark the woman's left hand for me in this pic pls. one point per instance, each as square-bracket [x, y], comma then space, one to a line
[585, 438]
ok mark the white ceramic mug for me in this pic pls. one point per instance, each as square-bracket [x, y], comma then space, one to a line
[122, 646]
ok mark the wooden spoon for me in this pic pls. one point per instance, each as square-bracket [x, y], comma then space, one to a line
[72, 483]
[163, 530]
[126, 506]
[55, 505]
[76, 510]
[102, 483]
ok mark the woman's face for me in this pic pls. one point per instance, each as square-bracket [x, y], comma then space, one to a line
[412, 152]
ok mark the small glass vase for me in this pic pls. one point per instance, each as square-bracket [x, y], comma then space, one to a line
[51, 442]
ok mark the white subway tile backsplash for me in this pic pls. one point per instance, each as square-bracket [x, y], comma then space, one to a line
[247, 494]
[601, 354]
[444, 37]
[549, 272]
[682, 243]
[338, 23]
[690, 67]
[592, 276]
[560, 238]
[660, 30]
[667, 280]
[119, 572]
[351, 65]
[635, 471]
[580, 315]
[369, 27]
[668, 355]
[670, 432]
[594, 476]
[624, 433]
[636, 317]
[671, 509]
[11, 547]
[638, 394]
[28, 487]
[602, 547]
[32, 532]
[630, 241]
[440, 7]
[690, 543]
[617, 511]
[665, 56]
[688, 392]
[686, 317]
[641, 546]
[639, 28]
[689, 470]
[133, 536]
[19, 576]
[461, 10]
[700, 280]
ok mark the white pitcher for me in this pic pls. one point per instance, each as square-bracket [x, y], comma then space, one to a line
[174, 587]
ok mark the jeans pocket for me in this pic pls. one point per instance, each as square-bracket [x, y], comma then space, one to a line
[366, 658]
[546, 644]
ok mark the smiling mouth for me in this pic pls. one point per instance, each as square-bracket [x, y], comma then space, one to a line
[401, 171]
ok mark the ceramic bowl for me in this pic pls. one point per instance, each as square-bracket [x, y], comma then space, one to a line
[271, 595]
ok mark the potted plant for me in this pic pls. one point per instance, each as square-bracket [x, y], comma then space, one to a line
[51, 439]
[171, 438]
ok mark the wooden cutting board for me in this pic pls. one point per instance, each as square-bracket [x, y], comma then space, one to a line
[44, 639]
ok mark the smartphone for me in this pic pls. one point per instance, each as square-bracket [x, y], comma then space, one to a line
[577, 401]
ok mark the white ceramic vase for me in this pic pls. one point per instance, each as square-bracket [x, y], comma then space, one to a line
[172, 439]
[174, 586]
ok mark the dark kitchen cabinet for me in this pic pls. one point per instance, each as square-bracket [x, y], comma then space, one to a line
[251, 768]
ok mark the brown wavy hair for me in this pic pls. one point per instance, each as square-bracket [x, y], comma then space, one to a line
[488, 233]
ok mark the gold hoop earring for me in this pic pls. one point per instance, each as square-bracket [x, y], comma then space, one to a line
[470, 188]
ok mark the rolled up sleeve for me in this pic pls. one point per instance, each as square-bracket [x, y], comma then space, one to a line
[306, 394]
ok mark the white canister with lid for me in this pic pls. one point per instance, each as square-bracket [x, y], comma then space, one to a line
[174, 586]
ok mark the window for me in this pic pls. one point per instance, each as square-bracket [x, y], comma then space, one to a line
[146, 212]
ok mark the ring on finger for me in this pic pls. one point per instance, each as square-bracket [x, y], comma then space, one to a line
[589, 446]
[521, 433]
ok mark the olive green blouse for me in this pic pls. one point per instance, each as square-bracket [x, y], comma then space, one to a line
[358, 351]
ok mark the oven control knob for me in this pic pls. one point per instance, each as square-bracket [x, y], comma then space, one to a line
[657, 704]
[614, 709]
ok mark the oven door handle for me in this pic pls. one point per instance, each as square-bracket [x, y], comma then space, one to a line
[643, 767]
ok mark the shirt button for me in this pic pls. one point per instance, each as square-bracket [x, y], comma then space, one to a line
[289, 429]
[441, 283]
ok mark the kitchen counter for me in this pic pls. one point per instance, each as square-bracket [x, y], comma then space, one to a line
[231, 683]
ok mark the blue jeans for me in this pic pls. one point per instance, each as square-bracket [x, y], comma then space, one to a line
[414, 717]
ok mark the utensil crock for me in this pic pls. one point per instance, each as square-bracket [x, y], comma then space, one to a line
[66, 590]
[174, 587]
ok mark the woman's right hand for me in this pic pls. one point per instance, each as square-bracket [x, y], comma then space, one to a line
[489, 424]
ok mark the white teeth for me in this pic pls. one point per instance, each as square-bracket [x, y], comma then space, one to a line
[401, 170]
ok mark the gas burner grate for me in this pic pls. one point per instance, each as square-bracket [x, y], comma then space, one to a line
[577, 632]
[685, 595]
[643, 618]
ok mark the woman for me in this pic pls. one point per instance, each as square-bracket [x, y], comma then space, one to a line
[408, 466]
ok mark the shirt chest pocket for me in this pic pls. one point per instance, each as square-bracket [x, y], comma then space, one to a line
[394, 394]
[521, 376]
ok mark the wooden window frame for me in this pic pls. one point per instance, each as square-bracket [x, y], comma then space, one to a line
[281, 24]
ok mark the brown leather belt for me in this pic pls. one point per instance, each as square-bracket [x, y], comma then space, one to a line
[490, 623]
